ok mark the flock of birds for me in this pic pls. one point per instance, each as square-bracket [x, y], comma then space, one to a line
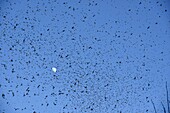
[83, 56]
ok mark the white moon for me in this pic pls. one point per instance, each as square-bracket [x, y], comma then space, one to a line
[54, 69]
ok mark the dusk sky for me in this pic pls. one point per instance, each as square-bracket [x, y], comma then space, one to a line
[84, 56]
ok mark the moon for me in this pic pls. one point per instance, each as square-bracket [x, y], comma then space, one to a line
[54, 69]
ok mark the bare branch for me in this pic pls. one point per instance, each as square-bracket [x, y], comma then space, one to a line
[153, 106]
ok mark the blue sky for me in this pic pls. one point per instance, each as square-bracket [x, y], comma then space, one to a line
[110, 56]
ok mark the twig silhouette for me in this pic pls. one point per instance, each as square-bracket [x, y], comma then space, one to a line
[167, 98]
[153, 106]
[163, 107]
